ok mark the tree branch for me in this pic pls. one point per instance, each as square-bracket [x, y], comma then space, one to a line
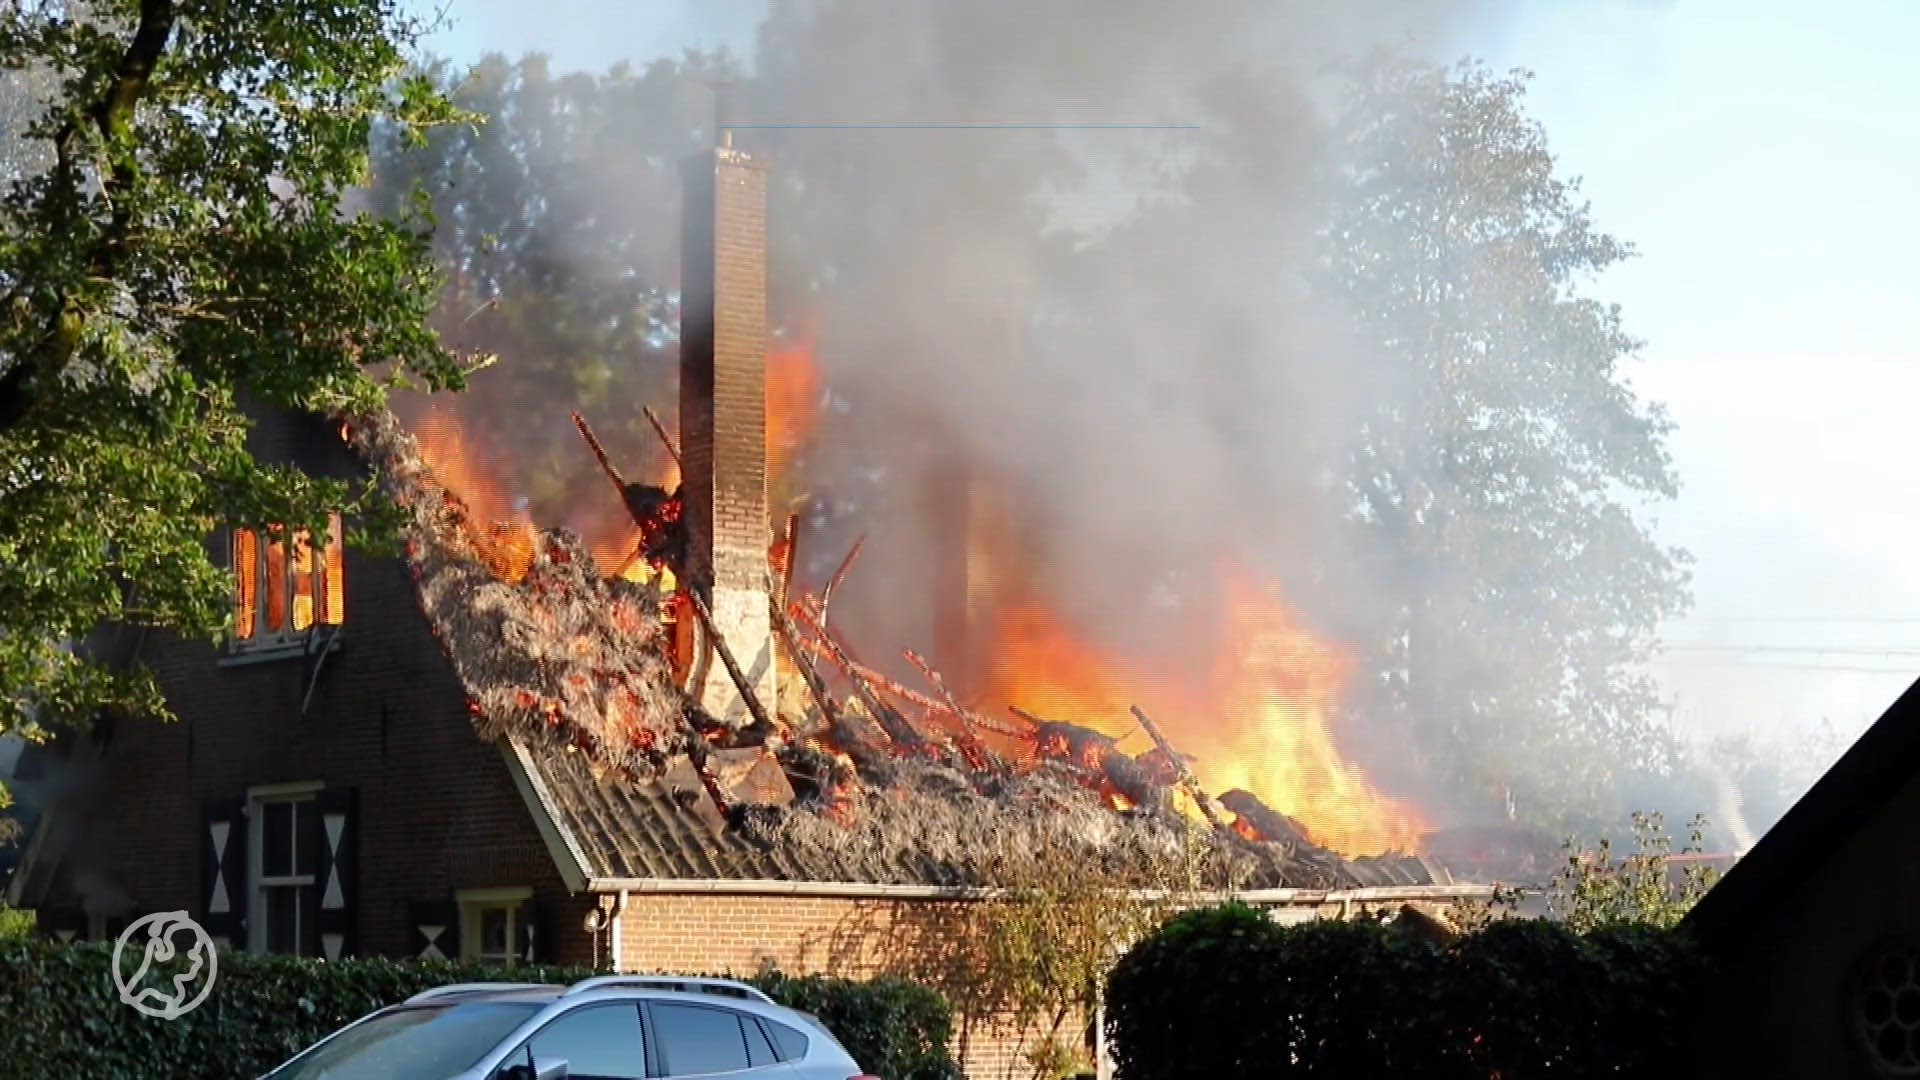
[112, 116]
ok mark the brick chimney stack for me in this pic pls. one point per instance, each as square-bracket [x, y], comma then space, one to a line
[723, 416]
[956, 575]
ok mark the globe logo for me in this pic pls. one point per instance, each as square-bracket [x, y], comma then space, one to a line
[181, 979]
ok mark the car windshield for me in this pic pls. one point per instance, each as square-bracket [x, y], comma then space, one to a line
[424, 1041]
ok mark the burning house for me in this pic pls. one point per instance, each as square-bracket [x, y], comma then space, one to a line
[509, 744]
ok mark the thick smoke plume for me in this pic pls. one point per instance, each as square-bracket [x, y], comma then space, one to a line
[1107, 328]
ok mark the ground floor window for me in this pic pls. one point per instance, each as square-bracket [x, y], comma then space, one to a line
[284, 863]
[492, 924]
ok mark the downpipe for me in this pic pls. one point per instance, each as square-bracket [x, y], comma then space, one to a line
[604, 916]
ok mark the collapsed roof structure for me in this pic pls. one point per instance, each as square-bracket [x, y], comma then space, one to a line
[653, 722]
[573, 670]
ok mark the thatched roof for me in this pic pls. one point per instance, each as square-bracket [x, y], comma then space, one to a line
[563, 657]
[571, 669]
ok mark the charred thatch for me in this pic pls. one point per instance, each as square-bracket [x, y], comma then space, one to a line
[561, 658]
[939, 825]
[1253, 816]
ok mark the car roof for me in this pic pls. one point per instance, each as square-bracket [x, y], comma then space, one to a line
[711, 992]
[465, 993]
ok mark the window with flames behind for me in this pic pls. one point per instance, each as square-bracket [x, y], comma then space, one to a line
[284, 585]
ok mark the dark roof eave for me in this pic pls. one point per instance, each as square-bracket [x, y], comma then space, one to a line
[1867, 776]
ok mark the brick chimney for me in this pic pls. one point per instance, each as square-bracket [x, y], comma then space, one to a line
[723, 417]
[954, 571]
[974, 543]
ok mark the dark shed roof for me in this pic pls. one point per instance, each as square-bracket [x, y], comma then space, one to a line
[1865, 779]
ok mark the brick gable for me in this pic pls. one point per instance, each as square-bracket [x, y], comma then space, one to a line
[437, 808]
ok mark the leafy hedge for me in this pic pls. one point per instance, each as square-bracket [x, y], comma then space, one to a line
[59, 1010]
[1226, 992]
[16, 924]
[895, 1029]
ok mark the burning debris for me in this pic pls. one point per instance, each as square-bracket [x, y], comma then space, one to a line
[939, 824]
[1255, 706]
[551, 652]
[879, 781]
[657, 513]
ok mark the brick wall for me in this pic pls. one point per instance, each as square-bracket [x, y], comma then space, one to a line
[723, 413]
[855, 938]
[437, 808]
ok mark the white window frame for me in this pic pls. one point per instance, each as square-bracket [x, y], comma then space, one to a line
[258, 799]
[286, 638]
[474, 904]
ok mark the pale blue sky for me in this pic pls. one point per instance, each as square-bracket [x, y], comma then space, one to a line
[1761, 155]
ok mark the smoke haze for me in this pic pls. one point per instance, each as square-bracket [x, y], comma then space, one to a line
[1150, 386]
[1110, 329]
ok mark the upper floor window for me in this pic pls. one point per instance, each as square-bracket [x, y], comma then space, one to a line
[284, 584]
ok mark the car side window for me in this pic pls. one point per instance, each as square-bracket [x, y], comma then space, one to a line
[696, 1040]
[760, 1050]
[599, 1042]
[791, 1044]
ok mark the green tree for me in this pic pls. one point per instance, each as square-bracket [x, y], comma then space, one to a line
[1032, 959]
[558, 234]
[181, 256]
[1500, 461]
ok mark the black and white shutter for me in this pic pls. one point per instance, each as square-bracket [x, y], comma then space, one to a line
[436, 929]
[335, 903]
[223, 871]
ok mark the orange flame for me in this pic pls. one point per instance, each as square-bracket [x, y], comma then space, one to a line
[1261, 719]
[620, 557]
[336, 575]
[502, 534]
[793, 398]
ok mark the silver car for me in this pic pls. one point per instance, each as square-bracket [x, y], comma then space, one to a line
[610, 1028]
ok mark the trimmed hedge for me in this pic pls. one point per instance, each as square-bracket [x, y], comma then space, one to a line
[59, 1011]
[895, 1029]
[1226, 992]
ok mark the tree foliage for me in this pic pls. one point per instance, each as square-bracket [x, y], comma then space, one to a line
[559, 235]
[1046, 943]
[181, 254]
[1497, 473]
[1029, 960]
